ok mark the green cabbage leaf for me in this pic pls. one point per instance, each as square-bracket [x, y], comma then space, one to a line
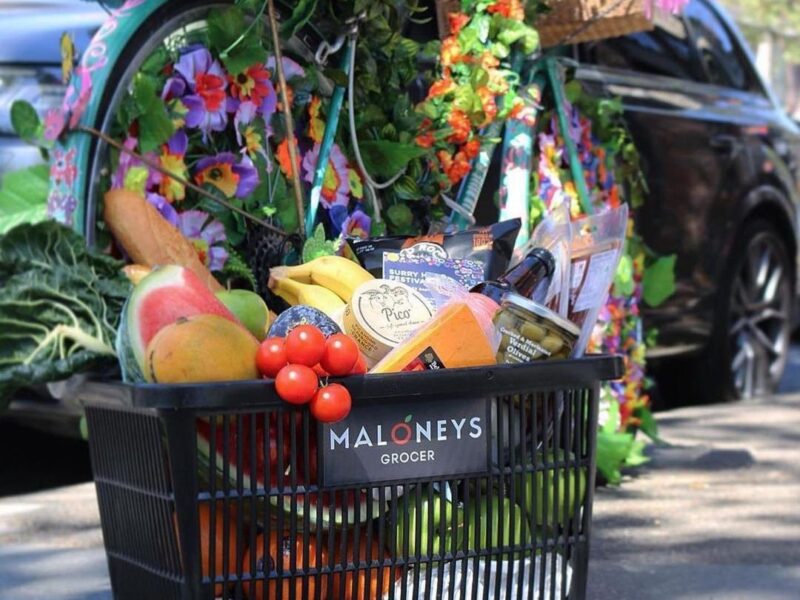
[60, 305]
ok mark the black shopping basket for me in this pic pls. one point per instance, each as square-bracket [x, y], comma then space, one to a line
[461, 484]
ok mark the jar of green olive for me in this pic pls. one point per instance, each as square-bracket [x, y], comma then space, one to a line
[530, 331]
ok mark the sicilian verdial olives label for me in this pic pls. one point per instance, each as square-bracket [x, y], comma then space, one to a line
[524, 340]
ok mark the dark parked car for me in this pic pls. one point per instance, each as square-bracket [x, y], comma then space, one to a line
[721, 160]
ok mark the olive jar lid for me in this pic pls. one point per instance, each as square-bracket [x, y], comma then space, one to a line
[541, 311]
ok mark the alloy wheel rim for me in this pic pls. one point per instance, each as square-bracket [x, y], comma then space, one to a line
[760, 318]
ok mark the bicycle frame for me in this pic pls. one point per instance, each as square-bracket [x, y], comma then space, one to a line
[67, 197]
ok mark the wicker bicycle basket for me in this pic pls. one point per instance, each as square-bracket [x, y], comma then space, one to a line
[571, 21]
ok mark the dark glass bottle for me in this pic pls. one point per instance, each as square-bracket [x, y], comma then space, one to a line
[530, 277]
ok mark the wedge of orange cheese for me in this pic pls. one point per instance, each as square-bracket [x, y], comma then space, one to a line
[453, 339]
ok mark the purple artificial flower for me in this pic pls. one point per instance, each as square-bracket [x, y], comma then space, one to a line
[164, 208]
[207, 83]
[175, 87]
[336, 181]
[226, 175]
[358, 224]
[127, 162]
[207, 235]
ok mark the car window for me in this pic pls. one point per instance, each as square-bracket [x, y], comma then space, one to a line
[664, 51]
[721, 56]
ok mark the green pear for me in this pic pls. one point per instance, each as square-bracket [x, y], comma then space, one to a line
[499, 512]
[431, 518]
[249, 308]
[535, 490]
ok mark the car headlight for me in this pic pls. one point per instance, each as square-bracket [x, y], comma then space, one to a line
[41, 86]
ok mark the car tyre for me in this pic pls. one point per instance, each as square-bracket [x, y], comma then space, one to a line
[750, 341]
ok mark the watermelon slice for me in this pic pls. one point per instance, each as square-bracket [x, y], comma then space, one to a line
[258, 467]
[164, 296]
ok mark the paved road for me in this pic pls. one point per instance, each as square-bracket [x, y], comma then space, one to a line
[716, 515]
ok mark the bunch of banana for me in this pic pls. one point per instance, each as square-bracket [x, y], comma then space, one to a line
[326, 283]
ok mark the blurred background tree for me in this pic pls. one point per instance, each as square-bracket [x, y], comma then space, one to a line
[772, 27]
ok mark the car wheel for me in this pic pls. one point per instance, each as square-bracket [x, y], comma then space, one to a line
[752, 332]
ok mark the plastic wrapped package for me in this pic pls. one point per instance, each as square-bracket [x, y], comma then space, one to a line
[467, 581]
[597, 243]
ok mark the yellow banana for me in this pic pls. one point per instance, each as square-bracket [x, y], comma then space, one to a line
[308, 294]
[340, 275]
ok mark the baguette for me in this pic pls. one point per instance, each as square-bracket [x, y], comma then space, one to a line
[148, 238]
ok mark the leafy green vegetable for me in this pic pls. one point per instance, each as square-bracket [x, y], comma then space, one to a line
[23, 197]
[659, 280]
[59, 305]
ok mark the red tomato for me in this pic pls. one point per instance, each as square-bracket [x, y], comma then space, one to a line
[296, 384]
[321, 373]
[271, 357]
[360, 368]
[305, 345]
[331, 403]
[341, 355]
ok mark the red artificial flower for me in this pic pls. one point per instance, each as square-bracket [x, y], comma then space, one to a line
[511, 9]
[252, 84]
[457, 21]
[459, 123]
[211, 89]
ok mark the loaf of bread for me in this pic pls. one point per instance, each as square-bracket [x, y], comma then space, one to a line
[148, 238]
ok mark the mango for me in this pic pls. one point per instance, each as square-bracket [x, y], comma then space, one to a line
[201, 348]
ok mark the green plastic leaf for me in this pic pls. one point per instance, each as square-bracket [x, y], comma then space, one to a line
[659, 281]
[25, 121]
[302, 12]
[317, 245]
[385, 159]
[647, 423]
[245, 54]
[23, 197]
[225, 25]
[155, 125]
[400, 216]
[623, 281]
[613, 450]
[60, 304]
[407, 189]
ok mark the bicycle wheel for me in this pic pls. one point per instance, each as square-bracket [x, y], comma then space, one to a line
[178, 23]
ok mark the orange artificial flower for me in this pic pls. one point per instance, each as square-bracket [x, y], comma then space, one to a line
[425, 140]
[282, 154]
[471, 148]
[457, 21]
[455, 168]
[488, 103]
[459, 122]
[451, 52]
[441, 87]
[511, 9]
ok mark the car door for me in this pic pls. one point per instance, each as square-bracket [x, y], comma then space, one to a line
[680, 124]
